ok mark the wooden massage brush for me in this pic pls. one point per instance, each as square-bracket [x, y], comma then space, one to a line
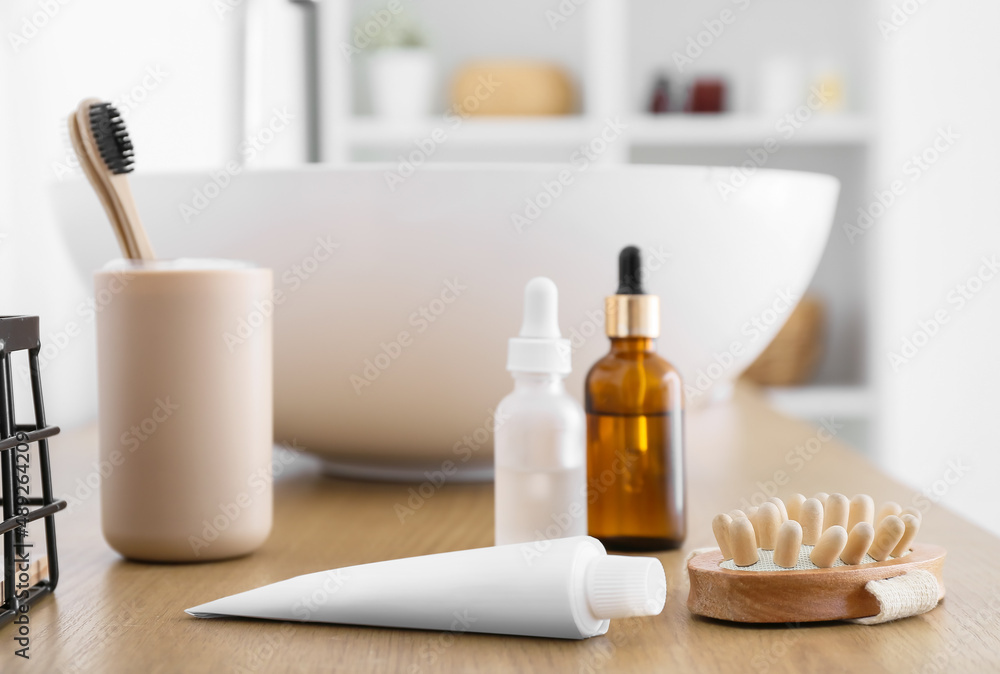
[807, 560]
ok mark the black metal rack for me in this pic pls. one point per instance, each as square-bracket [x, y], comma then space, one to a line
[20, 333]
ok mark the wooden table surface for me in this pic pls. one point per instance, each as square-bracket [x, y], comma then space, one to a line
[109, 615]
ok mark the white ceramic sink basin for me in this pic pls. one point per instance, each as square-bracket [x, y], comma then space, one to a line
[391, 338]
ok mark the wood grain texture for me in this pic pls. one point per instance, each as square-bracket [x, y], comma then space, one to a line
[38, 569]
[836, 593]
[109, 615]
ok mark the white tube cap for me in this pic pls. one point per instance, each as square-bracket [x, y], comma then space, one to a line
[539, 347]
[624, 587]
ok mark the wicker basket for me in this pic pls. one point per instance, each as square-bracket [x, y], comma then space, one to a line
[793, 355]
[512, 88]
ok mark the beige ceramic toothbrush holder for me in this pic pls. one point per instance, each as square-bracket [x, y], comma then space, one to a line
[185, 408]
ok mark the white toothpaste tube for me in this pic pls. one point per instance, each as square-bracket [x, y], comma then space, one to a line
[568, 588]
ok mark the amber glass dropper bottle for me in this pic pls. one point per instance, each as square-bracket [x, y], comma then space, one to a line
[635, 435]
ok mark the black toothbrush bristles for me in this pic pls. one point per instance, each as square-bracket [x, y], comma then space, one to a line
[112, 139]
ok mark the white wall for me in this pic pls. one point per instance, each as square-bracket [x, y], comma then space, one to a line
[939, 409]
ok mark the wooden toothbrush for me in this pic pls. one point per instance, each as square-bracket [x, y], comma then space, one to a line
[95, 181]
[102, 144]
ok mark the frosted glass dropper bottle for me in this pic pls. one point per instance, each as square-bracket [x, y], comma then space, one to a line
[540, 444]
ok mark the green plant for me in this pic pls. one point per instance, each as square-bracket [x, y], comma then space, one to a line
[402, 32]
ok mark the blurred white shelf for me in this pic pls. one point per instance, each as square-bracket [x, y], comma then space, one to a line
[669, 130]
[737, 129]
[374, 132]
[813, 402]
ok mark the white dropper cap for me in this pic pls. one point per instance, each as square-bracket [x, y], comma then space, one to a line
[622, 587]
[539, 347]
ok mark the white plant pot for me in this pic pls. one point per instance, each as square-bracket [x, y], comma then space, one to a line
[402, 83]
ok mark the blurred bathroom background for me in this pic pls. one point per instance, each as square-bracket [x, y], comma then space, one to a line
[897, 337]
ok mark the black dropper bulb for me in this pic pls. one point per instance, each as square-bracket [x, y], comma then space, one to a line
[629, 272]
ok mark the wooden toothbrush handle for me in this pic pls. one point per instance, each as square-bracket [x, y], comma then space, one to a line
[131, 223]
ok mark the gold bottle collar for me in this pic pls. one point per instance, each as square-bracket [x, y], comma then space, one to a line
[632, 316]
